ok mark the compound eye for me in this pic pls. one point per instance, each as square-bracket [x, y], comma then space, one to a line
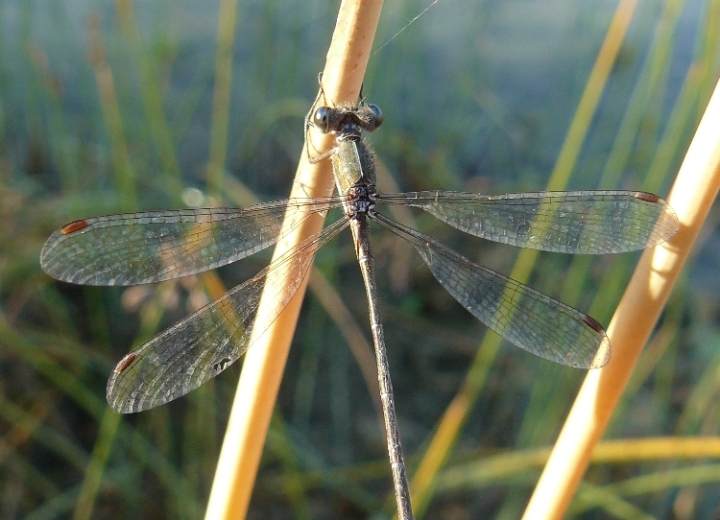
[377, 113]
[321, 119]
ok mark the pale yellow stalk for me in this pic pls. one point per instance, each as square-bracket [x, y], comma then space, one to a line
[265, 361]
[692, 195]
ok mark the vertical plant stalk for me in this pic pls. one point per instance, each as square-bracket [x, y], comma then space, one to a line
[149, 88]
[94, 473]
[457, 412]
[221, 97]
[122, 166]
[692, 195]
[265, 361]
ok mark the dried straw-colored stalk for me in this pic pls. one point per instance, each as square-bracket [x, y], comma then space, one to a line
[692, 195]
[265, 361]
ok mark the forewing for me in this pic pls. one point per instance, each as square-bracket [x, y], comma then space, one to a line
[136, 248]
[577, 222]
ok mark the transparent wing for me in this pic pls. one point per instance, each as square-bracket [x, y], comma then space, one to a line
[529, 319]
[150, 246]
[205, 343]
[577, 222]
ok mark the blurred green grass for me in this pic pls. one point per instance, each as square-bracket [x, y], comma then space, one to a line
[108, 107]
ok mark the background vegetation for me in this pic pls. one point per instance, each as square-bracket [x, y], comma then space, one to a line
[108, 107]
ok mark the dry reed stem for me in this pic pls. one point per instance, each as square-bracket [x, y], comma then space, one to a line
[692, 195]
[265, 361]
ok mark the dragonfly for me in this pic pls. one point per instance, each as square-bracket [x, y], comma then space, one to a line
[151, 246]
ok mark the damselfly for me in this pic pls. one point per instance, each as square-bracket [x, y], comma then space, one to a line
[152, 246]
